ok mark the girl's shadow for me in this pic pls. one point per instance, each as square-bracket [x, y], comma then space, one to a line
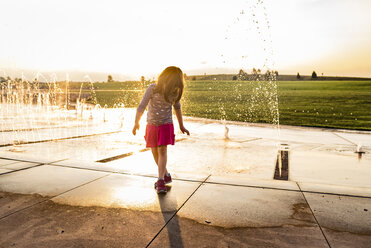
[169, 208]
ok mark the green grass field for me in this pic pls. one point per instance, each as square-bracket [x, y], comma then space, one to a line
[335, 104]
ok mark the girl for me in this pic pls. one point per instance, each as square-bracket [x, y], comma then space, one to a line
[159, 97]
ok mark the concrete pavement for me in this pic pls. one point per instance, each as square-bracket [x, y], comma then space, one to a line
[55, 193]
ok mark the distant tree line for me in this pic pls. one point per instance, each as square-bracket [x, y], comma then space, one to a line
[256, 74]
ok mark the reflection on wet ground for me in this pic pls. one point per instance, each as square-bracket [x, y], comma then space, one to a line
[250, 150]
[218, 182]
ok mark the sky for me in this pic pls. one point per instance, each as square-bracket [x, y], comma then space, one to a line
[142, 37]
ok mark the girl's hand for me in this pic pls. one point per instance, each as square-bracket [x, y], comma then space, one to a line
[184, 130]
[136, 127]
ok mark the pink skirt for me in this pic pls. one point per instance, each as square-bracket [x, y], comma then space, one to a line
[161, 135]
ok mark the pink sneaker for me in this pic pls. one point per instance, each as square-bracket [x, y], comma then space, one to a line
[160, 186]
[167, 179]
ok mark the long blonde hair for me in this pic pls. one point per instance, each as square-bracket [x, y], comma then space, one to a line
[169, 80]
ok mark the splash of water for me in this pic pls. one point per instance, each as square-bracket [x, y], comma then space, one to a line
[29, 108]
[256, 92]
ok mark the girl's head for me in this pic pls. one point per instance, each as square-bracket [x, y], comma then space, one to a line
[170, 84]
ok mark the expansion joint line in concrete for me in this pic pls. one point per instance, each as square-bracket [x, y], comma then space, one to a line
[324, 236]
[49, 198]
[41, 128]
[344, 138]
[65, 138]
[284, 189]
[21, 160]
[216, 183]
[176, 212]
[29, 167]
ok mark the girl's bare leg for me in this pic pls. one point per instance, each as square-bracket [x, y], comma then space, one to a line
[155, 153]
[162, 159]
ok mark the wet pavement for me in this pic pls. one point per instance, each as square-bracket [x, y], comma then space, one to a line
[57, 193]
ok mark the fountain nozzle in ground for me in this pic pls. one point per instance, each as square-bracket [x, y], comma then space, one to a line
[226, 131]
[282, 163]
[359, 151]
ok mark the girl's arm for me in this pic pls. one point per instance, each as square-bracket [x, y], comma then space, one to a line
[178, 113]
[142, 106]
[137, 119]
